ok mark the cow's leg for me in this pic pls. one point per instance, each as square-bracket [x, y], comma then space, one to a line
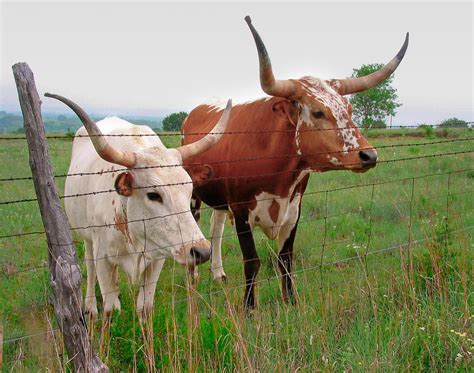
[196, 211]
[217, 230]
[286, 239]
[196, 207]
[250, 256]
[107, 276]
[90, 302]
[146, 295]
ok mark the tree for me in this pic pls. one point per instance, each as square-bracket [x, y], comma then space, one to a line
[174, 121]
[370, 107]
[453, 122]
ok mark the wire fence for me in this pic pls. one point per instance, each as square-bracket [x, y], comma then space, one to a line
[115, 224]
[249, 176]
[253, 159]
[226, 133]
[323, 217]
[268, 280]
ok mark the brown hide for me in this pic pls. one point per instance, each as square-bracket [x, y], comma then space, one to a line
[241, 160]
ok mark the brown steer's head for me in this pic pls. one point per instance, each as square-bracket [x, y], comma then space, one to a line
[325, 136]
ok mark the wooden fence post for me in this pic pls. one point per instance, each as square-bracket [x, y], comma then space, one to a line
[65, 272]
[1, 347]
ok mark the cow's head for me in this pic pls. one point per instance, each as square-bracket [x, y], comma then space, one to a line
[156, 193]
[325, 136]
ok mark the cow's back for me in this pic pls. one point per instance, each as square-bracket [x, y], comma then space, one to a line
[249, 157]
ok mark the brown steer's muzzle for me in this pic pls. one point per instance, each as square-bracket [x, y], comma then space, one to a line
[368, 158]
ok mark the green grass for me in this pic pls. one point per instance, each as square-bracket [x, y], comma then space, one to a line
[409, 308]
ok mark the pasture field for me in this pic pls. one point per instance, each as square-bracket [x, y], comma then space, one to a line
[383, 271]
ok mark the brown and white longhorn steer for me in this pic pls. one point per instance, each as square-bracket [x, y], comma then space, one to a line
[305, 125]
[147, 219]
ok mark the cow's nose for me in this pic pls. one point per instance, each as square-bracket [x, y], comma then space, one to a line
[368, 157]
[199, 254]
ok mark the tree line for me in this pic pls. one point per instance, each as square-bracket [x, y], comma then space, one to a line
[370, 109]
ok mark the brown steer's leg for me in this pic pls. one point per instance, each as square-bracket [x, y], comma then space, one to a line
[285, 260]
[196, 207]
[286, 240]
[250, 257]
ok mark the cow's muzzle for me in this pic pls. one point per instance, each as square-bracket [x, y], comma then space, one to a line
[368, 158]
[198, 252]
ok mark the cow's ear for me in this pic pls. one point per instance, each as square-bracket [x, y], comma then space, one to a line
[285, 109]
[124, 184]
[200, 173]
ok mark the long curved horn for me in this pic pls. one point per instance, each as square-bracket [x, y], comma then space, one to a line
[354, 85]
[271, 86]
[210, 139]
[101, 145]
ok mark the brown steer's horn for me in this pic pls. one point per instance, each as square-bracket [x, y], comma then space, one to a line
[271, 86]
[354, 85]
[210, 139]
[101, 145]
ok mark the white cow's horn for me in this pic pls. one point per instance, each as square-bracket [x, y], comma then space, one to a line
[210, 139]
[101, 145]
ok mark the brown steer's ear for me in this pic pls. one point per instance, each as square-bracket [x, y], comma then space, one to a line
[285, 109]
[200, 173]
[124, 184]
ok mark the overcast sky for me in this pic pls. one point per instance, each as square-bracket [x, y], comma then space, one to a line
[153, 58]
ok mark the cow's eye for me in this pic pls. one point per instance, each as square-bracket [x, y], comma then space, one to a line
[154, 196]
[318, 114]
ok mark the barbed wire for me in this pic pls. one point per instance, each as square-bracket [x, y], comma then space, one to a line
[290, 130]
[303, 270]
[236, 177]
[44, 305]
[233, 234]
[353, 186]
[276, 276]
[248, 159]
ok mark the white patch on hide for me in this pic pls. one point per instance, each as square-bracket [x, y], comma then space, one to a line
[287, 213]
[320, 91]
[334, 161]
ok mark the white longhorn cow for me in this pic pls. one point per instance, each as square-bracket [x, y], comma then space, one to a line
[147, 219]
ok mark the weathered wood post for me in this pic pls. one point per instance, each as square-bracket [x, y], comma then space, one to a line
[1, 347]
[65, 272]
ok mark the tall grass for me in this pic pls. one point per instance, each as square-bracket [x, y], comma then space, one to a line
[383, 276]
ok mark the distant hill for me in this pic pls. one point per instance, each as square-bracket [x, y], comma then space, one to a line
[54, 122]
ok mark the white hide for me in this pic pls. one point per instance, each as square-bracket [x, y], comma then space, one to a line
[155, 230]
[259, 217]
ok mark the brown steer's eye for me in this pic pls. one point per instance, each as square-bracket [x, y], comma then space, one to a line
[318, 114]
[153, 196]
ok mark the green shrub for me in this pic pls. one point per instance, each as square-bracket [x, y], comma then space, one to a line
[427, 128]
[453, 122]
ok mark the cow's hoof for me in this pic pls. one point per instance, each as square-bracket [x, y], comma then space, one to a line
[220, 277]
[91, 314]
[144, 314]
[90, 309]
[249, 312]
[193, 275]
